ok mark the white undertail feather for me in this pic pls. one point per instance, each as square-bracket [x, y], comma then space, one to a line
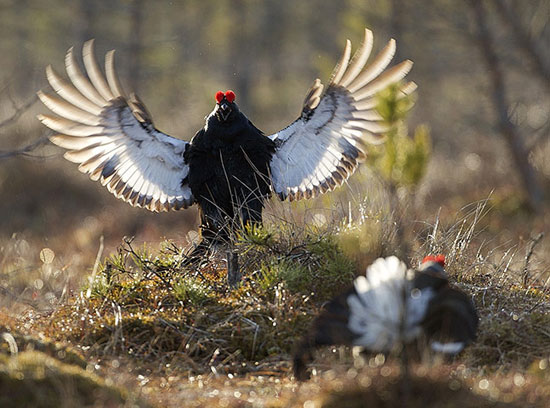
[385, 311]
[323, 147]
[113, 139]
[447, 348]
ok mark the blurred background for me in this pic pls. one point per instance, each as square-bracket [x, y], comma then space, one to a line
[482, 69]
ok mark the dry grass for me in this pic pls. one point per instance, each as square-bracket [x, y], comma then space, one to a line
[152, 307]
[512, 300]
[180, 334]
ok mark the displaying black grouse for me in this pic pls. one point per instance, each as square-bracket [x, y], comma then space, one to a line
[229, 168]
[392, 306]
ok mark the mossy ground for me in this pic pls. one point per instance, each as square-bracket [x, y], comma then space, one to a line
[178, 336]
[152, 307]
[34, 379]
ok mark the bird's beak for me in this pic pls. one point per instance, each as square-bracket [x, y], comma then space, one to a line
[225, 110]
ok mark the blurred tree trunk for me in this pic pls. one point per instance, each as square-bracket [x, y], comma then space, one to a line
[273, 30]
[396, 25]
[245, 54]
[85, 21]
[485, 42]
[511, 16]
[23, 72]
[135, 44]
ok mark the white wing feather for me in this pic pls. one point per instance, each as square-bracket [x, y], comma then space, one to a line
[113, 139]
[383, 299]
[323, 147]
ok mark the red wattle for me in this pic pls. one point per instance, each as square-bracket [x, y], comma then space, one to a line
[219, 96]
[428, 259]
[440, 259]
[230, 96]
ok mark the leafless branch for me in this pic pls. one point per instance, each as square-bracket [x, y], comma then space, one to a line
[17, 113]
[528, 255]
[19, 110]
[25, 150]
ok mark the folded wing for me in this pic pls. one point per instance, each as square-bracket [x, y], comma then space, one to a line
[323, 147]
[112, 137]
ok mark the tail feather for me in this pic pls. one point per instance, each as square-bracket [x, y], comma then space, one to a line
[393, 305]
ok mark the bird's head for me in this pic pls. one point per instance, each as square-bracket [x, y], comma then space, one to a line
[431, 273]
[434, 264]
[226, 109]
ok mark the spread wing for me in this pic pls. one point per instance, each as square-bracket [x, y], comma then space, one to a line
[113, 138]
[323, 147]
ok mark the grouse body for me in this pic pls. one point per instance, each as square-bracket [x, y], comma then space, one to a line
[229, 173]
[393, 306]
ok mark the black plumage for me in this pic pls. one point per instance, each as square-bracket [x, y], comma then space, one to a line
[229, 173]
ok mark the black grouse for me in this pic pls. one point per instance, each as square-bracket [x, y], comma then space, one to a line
[392, 306]
[230, 167]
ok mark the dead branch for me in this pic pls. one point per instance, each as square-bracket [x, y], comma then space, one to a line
[19, 110]
[25, 150]
[528, 255]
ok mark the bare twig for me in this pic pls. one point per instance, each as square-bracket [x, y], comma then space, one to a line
[146, 263]
[96, 267]
[25, 150]
[19, 110]
[528, 255]
[8, 338]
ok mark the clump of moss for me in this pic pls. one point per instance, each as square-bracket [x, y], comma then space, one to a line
[35, 379]
[306, 261]
[321, 270]
[59, 351]
[192, 290]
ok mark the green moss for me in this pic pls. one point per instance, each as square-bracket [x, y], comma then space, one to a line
[34, 379]
[192, 290]
[256, 236]
[59, 351]
[317, 268]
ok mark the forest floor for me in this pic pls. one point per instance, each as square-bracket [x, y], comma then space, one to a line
[143, 329]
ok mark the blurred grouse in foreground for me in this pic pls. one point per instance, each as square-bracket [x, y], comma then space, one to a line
[229, 167]
[393, 305]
